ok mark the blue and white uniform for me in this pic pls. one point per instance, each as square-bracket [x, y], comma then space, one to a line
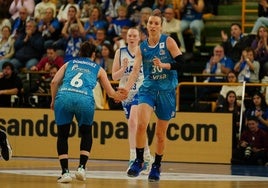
[159, 85]
[75, 95]
[133, 93]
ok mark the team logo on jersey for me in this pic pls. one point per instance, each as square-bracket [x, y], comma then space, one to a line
[162, 52]
[162, 45]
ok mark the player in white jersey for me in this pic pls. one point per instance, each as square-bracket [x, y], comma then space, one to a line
[122, 67]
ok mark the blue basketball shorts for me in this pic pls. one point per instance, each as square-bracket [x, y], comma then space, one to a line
[68, 105]
[163, 102]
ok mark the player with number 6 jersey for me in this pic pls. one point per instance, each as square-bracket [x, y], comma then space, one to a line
[72, 95]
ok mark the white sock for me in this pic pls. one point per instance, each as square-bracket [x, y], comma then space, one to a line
[147, 154]
[132, 154]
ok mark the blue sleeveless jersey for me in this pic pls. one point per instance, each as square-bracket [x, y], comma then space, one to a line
[156, 78]
[80, 77]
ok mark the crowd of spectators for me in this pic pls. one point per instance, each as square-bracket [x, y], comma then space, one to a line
[30, 28]
[66, 23]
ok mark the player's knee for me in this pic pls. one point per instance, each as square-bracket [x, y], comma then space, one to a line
[86, 137]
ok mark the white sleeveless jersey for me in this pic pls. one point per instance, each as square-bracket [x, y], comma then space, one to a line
[124, 53]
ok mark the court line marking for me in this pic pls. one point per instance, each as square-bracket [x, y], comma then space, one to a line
[122, 175]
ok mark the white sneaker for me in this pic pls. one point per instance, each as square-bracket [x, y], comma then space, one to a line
[65, 178]
[148, 161]
[80, 174]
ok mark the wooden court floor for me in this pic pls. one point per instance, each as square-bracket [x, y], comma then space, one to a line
[43, 173]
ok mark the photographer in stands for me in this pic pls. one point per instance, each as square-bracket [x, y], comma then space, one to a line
[253, 145]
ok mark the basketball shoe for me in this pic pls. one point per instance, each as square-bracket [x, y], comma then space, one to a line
[80, 174]
[65, 178]
[154, 173]
[135, 168]
[6, 150]
[148, 161]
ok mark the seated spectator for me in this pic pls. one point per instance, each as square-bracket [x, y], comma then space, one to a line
[171, 27]
[73, 20]
[87, 9]
[231, 77]
[258, 108]
[51, 58]
[73, 16]
[262, 16]
[260, 47]
[50, 28]
[191, 18]
[237, 42]
[62, 15]
[115, 26]
[230, 105]
[41, 9]
[218, 64]
[28, 47]
[94, 22]
[16, 6]
[253, 145]
[4, 22]
[10, 84]
[18, 25]
[248, 69]
[73, 40]
[6, 45]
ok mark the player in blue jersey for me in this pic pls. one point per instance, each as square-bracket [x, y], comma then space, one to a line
[160, 58]
[122, 67]
[72, 95]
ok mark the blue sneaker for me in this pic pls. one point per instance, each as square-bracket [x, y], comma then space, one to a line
[154, 173]
[135, 168]
[130, 164]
